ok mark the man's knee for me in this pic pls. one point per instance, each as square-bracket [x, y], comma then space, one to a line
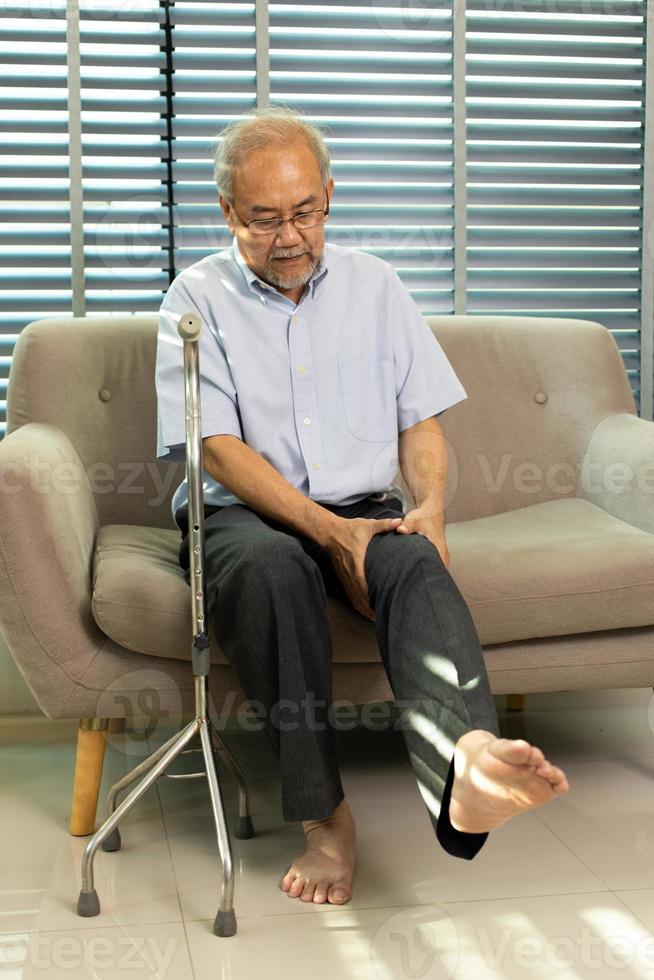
[392, 560]
[402, 550]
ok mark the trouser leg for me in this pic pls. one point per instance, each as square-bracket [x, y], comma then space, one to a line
[433, 658]
[267, 605]
[431, 653]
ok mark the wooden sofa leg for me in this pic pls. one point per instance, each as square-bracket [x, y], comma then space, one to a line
[516, 702]
[91, 736]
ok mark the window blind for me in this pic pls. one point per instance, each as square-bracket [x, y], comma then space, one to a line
[554, 180]
[555, 111]
[214, 82]
[35, 223]
[380, 84]
[382, 93]
[125, 155]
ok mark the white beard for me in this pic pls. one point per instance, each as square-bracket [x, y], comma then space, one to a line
[288, 281]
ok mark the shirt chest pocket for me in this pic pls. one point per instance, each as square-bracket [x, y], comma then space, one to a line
[368, 394]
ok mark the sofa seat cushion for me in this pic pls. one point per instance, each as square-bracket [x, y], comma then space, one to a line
[141, 599]
[551, 569]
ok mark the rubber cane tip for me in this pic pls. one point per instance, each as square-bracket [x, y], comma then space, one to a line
[244, 829]
[112, 842]
[88, 904]
[225, 924]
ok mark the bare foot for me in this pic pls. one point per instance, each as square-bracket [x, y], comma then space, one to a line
[496, 778]
[324, 870]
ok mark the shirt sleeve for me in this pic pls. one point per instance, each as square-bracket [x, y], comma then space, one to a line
[218, 400]
[426, 383]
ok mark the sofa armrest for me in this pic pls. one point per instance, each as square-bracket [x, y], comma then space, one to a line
[617, 470]
[48, 528]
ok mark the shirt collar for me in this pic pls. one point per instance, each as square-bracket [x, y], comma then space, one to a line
[257, 285]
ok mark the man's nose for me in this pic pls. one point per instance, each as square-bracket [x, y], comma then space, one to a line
[288, 235]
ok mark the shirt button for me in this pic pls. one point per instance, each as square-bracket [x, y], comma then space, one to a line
[293, 319]
[307, 421]
[316, 466]
[301, 369]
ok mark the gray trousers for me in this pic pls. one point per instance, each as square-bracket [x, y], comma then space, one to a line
[266, 589]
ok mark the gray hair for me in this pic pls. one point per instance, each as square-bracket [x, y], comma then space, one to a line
[257, 129]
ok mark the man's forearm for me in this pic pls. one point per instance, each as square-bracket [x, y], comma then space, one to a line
[245, 473]
[423, 462]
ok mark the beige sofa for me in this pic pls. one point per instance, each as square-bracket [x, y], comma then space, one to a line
[549, 524]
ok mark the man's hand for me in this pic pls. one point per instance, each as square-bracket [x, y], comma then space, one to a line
[347, 548]
[431, 525]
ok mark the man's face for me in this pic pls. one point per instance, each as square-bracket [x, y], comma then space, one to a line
[278, 182]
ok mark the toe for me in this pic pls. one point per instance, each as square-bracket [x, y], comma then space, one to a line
[287, 880]
[296, 888]
[339, 893]
[551, 773]
[512, 750]
[536, 757]
[320, 894]
[559, 780]
[307, 891]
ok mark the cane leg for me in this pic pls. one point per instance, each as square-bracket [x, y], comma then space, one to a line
[244, 829]
[225, 922]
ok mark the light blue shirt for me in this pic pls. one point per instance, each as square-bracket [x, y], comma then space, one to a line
[320, 389]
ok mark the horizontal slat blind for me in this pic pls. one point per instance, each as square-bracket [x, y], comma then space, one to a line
[554, 177]
[124, 155]
[35, 278]
[381, 87]
[554, 148]
[214, 83]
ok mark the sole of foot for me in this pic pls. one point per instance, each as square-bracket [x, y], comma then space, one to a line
[497, 778]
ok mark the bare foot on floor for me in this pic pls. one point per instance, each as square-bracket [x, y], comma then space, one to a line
[496, 778]
[324, 870]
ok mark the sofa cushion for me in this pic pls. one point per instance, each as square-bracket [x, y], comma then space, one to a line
[551, 569]
[141, 599]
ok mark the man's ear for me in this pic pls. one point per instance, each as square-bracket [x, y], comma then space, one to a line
[227, 211]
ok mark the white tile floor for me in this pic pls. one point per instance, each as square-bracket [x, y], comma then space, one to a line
[565, 891]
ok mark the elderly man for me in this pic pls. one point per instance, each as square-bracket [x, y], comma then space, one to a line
[318, 374]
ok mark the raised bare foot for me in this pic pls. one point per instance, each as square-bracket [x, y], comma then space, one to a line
[324, 870]
[496, 778]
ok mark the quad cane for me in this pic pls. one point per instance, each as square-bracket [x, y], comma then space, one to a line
[108, 836]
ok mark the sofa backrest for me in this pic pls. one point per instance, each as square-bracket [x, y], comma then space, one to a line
[94, 377]
[536, 389]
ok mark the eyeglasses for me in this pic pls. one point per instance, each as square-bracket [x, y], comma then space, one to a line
[303, 219]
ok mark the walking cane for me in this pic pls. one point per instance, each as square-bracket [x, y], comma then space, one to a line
[108, 836]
